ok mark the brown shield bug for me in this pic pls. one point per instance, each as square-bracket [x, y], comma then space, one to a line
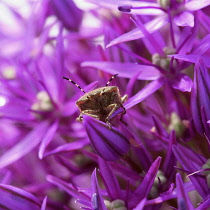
[100, 103]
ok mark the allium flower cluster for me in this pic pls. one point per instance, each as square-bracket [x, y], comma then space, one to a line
[105, 104]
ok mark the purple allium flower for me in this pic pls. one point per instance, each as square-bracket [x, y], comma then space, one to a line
[154, 156]
[67, 13]
[108, 142]
[14, 198]
[200, 98]
[182, 197]
[180, 12]
[200, 51]
[192, 162]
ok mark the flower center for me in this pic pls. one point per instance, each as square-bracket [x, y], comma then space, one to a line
[9, 72]
[207, 172]
[43, 102]
[169, 4]
[115, 205]
[163, 61]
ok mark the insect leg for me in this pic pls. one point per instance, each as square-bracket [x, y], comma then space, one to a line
[91, 113]
[113, 108]
[124, 112]
[124, 98]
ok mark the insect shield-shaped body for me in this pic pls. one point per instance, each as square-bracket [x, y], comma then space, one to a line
[97, 106]
[100, 103]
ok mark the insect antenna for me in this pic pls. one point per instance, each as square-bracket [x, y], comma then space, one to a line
[74, 84]
[111, 79]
